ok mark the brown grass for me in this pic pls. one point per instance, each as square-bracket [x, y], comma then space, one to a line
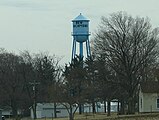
[102, 116]
[150, 116]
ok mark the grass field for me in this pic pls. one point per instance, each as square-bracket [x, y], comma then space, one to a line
[149, 116]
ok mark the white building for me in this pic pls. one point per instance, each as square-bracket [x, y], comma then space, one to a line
[100, 107]
[0, 114]
[7, 112]
[47, 110]
[149, 96]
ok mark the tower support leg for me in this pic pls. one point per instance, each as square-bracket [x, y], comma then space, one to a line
[73, 49]
[81, 50]
[88, 49]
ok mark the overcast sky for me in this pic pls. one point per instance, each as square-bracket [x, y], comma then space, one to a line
[45, 25]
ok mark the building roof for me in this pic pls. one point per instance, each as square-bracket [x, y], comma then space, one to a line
[80, 18]
[150, 87]
[41, 106]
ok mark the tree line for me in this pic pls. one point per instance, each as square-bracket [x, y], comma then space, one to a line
[124, 54]
[19, 75]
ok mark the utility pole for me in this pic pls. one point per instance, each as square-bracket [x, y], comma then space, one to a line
[34, 84]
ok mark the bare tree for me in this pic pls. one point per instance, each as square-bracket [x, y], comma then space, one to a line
[129, 46]
[39, 72]
[72, 86]
[11, 80]
[92, 94]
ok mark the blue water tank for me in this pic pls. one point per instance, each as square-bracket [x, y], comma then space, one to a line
[80, 28]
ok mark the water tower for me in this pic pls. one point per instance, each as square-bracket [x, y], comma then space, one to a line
[80, 36]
